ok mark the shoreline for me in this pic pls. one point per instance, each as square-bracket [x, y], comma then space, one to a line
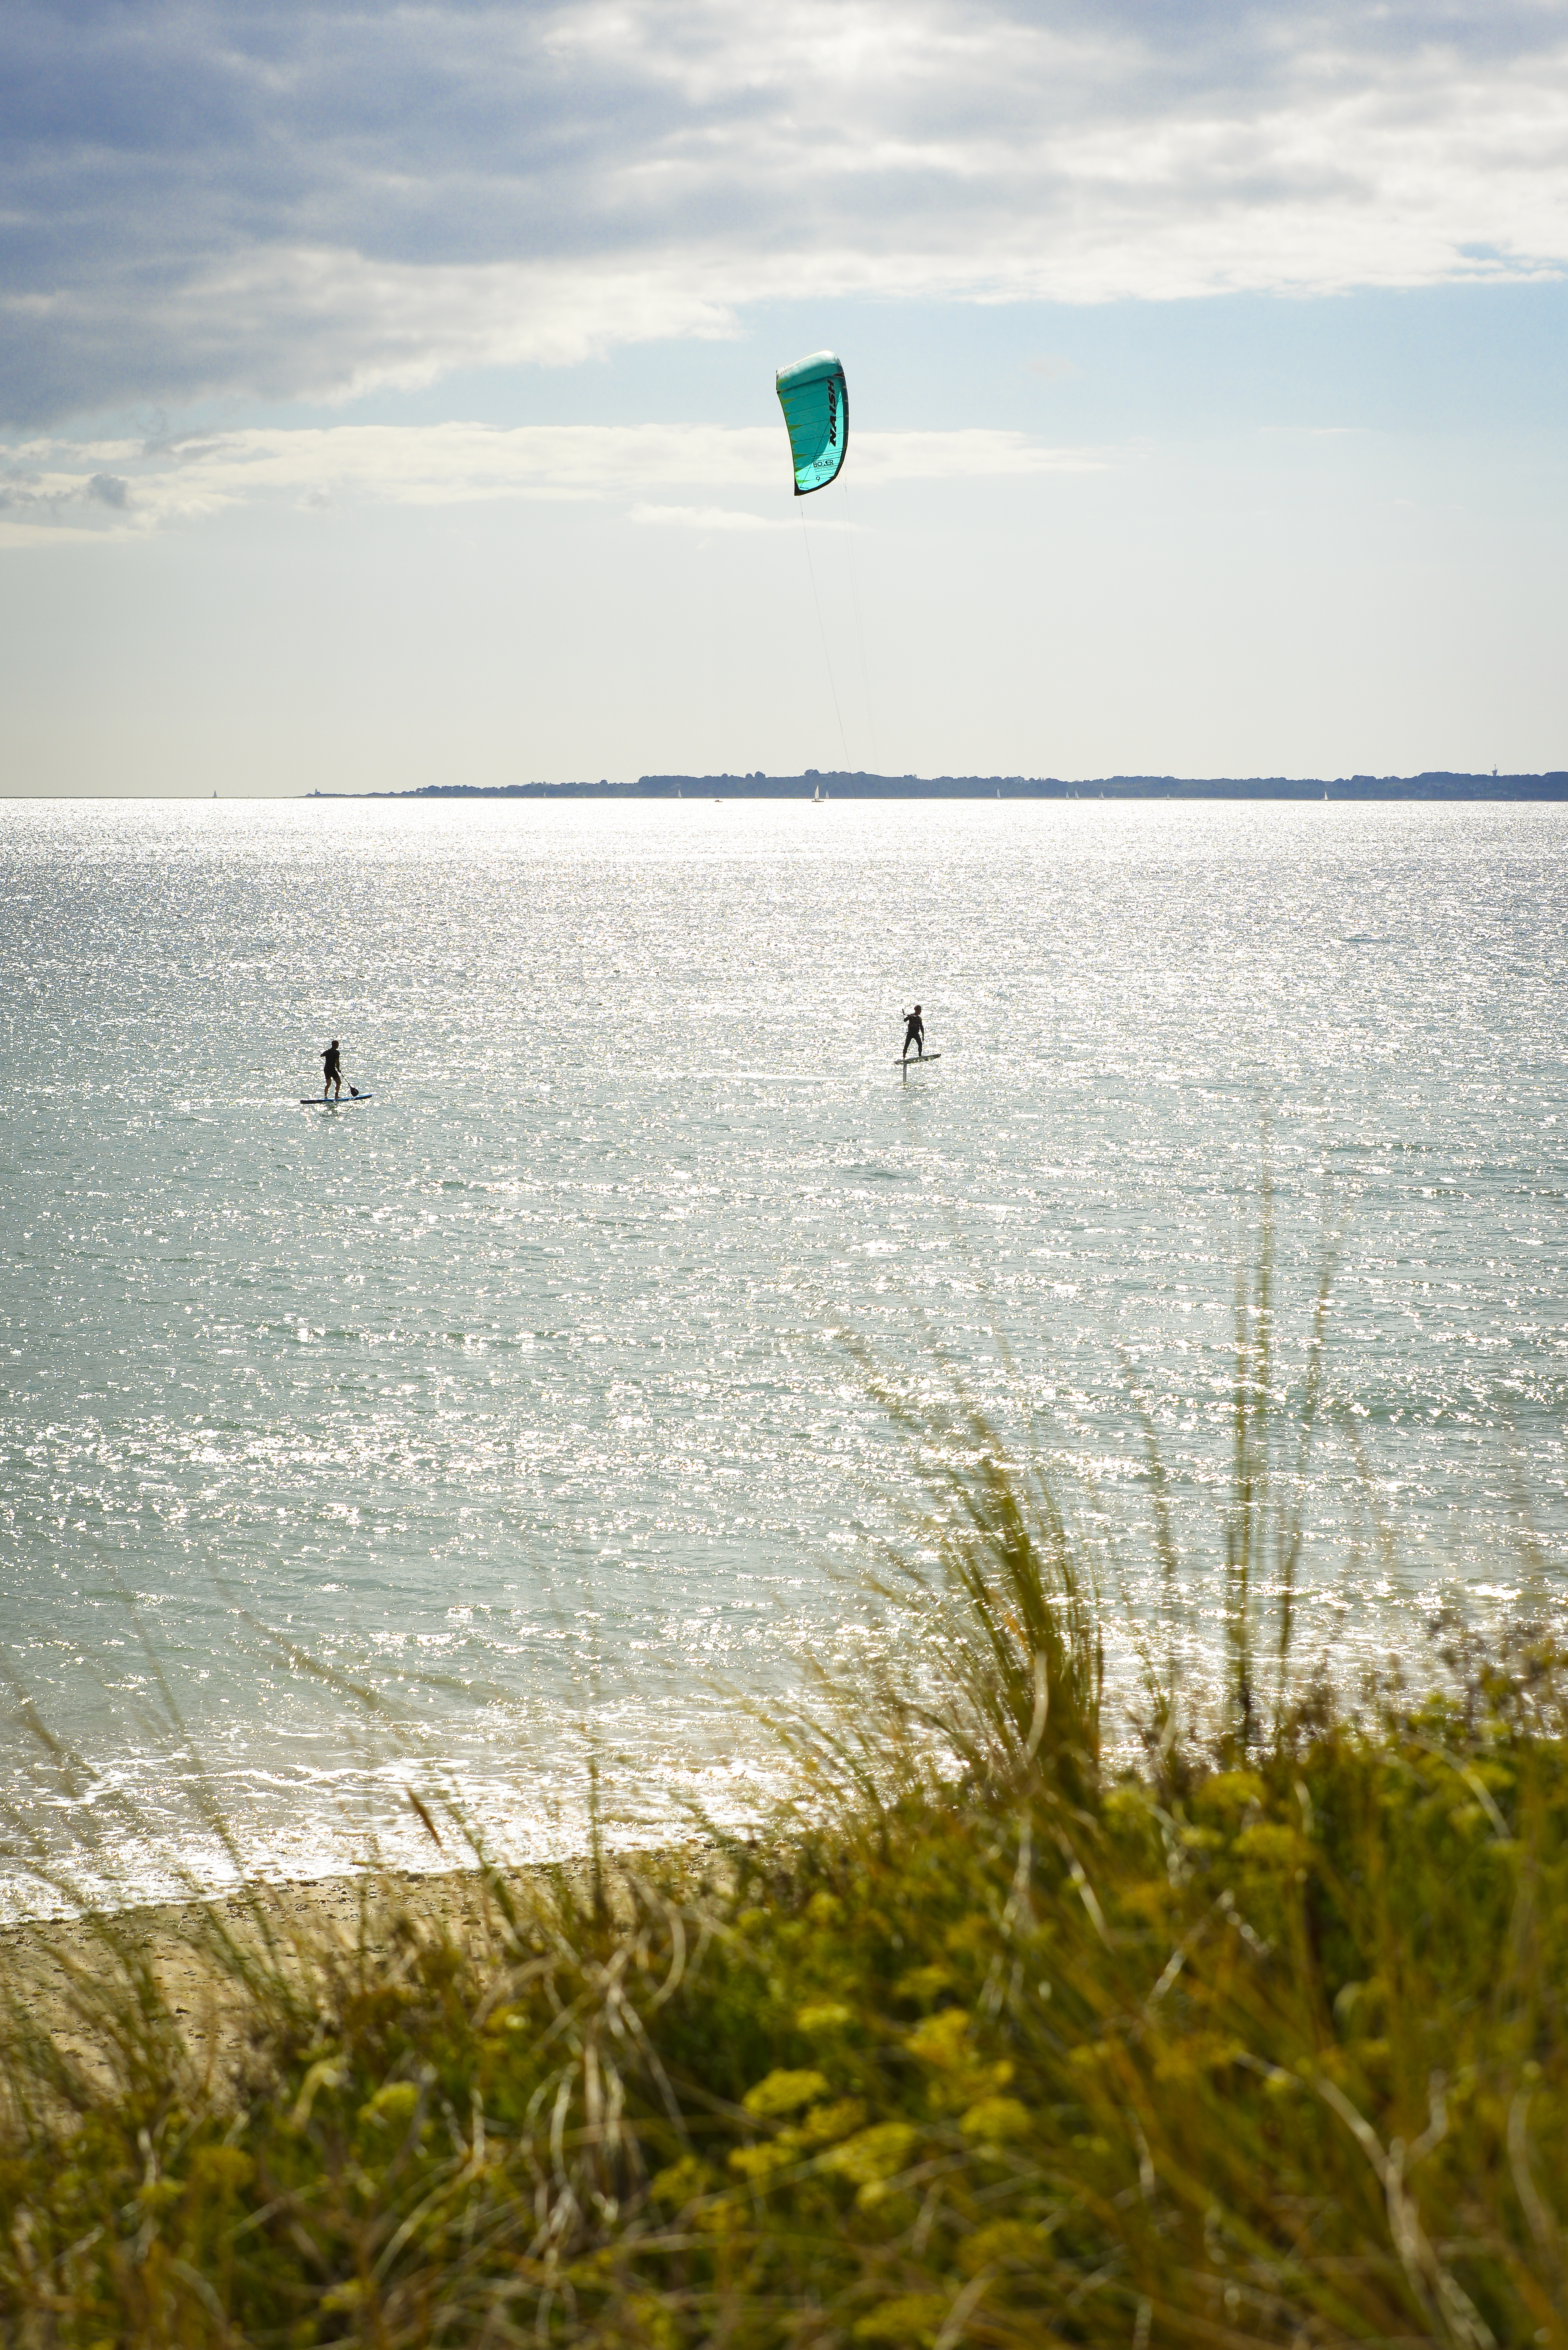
[815, 783]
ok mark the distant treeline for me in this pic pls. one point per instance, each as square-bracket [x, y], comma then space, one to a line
[835, 784]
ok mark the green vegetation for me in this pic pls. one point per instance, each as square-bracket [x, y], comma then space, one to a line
[984, 2045]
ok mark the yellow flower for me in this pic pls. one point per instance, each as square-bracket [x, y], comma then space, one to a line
[683, 2182]
[872, 2155]
[1006, 2243]
[924, 1983]
[1274, 1846]
[761, 2163]
[828, 2016]
[784, 2093]
[996, 2119]
[823, 2124]
[939, 2040]
[346, 2296]
[1229, 1792]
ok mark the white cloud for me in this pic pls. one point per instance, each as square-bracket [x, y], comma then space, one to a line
[129, 485]
[220, 196]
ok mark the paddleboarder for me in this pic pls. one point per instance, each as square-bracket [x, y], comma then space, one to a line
[331, 1073]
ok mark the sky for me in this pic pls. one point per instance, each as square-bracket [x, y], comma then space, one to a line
[387, 391]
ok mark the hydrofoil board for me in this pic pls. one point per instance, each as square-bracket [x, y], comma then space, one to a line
[917, 1059]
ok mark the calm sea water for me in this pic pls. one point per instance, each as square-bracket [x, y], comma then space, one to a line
[353, 1450]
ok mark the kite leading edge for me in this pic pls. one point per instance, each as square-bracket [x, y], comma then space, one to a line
[815, 398]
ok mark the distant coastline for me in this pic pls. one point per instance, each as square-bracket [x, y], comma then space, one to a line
[834, 783]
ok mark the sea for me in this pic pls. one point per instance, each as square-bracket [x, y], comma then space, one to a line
[554, 1419]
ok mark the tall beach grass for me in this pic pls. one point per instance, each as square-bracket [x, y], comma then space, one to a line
[987, 2040]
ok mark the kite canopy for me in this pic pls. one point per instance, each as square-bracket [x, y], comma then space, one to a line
[816, 402]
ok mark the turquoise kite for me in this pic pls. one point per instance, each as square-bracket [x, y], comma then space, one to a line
[816, 402]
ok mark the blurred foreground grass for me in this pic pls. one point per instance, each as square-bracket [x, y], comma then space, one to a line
[982, 2043]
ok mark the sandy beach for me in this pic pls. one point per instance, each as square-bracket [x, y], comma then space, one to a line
[54, 1971]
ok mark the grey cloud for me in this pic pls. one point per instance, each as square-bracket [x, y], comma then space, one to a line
[304, 201]
[53, 497]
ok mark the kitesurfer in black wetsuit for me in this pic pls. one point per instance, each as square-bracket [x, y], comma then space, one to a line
[331, 1074]
[914, 1034]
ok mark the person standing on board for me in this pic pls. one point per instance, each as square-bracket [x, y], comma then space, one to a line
[914, 1034]
[331, 1073]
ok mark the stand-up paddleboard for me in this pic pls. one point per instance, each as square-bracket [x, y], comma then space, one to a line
[332, 1101]
[916, 1060]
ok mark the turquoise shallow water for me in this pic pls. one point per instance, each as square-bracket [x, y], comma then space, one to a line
[402, 1440]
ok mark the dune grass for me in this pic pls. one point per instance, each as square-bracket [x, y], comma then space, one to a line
[985, 2043]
